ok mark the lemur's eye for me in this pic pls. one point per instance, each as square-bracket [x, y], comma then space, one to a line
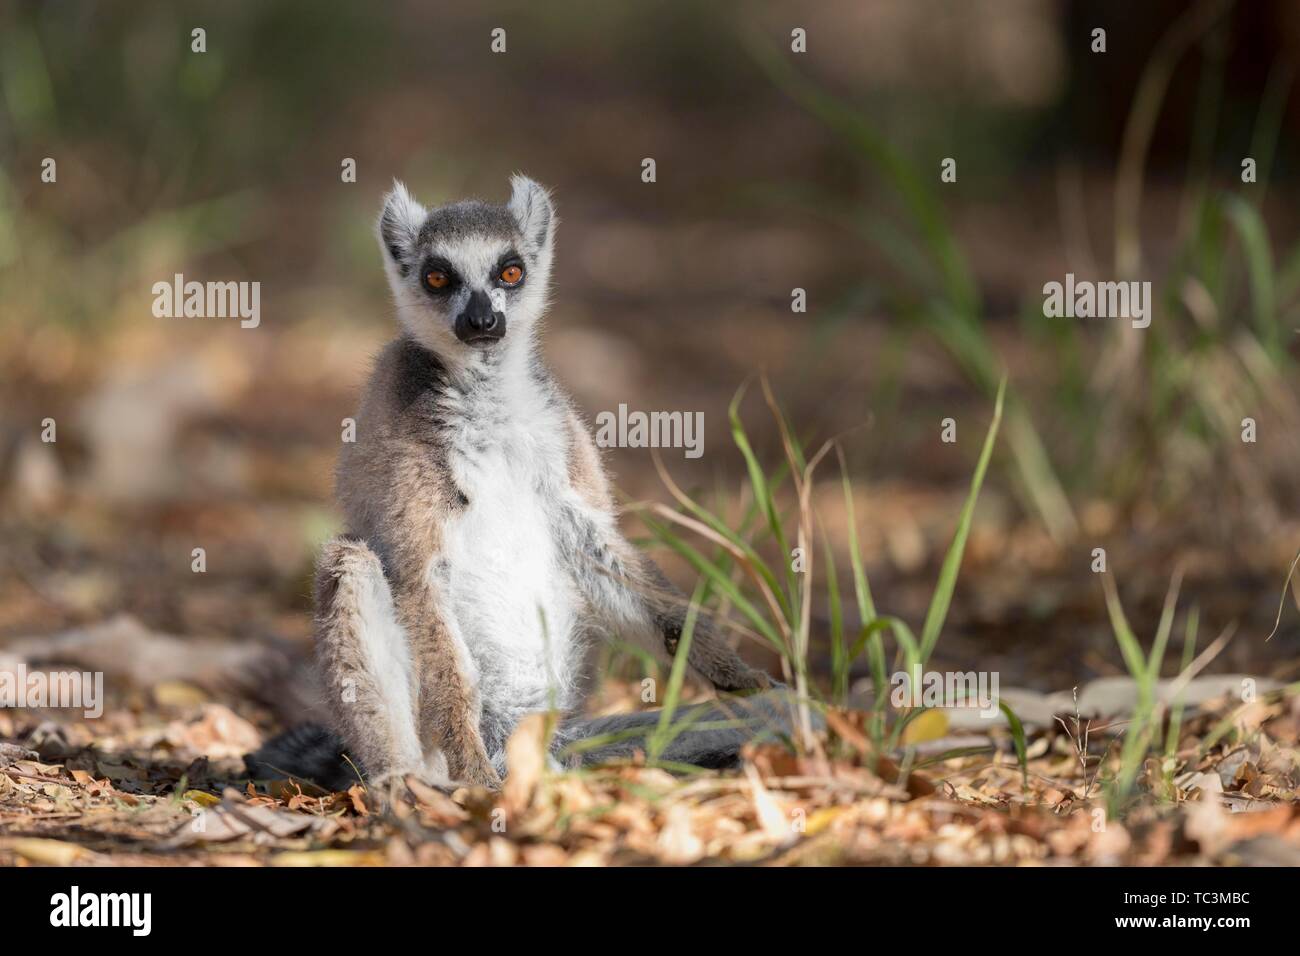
[511, 274]
[436, 280]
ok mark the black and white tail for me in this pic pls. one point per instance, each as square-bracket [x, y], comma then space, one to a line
[709, 736]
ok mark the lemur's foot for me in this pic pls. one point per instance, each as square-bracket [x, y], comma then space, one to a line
[476, 770]
[386, 790]
[398, 787]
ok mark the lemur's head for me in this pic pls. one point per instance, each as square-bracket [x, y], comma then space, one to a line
[468, 274]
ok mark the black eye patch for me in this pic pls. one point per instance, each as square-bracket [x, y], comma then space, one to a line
[438, 277]
[510, 260]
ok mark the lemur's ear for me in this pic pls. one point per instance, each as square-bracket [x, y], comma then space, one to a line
[531, 206]
[399, 225]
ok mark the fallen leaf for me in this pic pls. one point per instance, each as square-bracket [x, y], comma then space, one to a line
[330, 858]
[357, 794]
[47, 852]
[770, 818]
[219, 733]
[178, 694]
[678, 842]
[929, 725]
[1206, 821]
[526, 761]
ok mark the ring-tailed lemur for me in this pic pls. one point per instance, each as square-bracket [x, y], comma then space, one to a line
[482, 549]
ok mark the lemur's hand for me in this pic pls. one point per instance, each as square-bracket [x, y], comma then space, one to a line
[748, 681]
[712, 658]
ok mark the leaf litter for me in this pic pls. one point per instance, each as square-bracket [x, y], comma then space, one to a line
[162, 784]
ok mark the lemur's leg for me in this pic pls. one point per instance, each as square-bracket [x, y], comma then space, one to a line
[406, 522]
[365, 662]
[449, 704]
[628, 590]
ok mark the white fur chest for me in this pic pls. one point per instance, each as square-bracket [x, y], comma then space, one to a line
[508, 591]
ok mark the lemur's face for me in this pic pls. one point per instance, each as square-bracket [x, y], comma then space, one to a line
[469, 275]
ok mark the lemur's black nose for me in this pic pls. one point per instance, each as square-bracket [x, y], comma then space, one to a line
[478, 322]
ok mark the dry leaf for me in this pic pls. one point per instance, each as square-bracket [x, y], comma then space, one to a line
[770, 818]
[929, 725]
[525, 762]
[219, 733]
[47, 852]
[357, 794]
[330, 858]
[677, 840]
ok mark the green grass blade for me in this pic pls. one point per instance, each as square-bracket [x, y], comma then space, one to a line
[1129, 646]
[839, 665]
[1268, 123]
[912, 656]
[918, 197]
[1137, 736]
[737, 540]
[862, 593]
[1157, 656]
[659, 738]
[1259, 268]
[861, 587]
[1177, 706]
[900, 725]
[1018, 740]
[763, 495]
[942, 598]
[953, 754]
[719, 579]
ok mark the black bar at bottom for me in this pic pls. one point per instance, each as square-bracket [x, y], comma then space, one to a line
[337, 906]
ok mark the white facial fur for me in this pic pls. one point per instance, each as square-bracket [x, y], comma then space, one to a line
[475, 239]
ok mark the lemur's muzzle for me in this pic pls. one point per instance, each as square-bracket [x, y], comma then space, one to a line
[478, 323]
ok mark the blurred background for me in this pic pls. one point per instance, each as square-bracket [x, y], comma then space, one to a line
[776, 170]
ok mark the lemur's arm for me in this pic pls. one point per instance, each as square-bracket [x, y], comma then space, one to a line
[628, 589]
[408, 502]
